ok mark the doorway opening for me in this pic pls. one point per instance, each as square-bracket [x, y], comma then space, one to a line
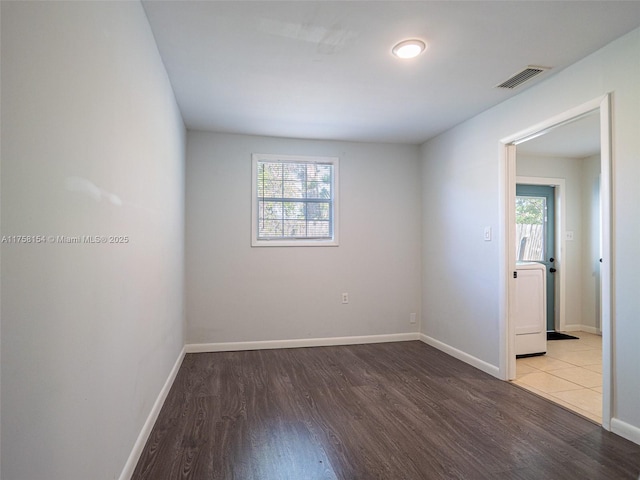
[569, 372]
[563, 319]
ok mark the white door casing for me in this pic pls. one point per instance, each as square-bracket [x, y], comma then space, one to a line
[507, 241]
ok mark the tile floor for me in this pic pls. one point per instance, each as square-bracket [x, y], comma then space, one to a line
[570, 374]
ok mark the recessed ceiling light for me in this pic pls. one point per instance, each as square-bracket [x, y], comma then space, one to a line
[409, 48]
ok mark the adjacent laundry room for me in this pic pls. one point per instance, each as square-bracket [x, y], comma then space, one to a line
[557, 320]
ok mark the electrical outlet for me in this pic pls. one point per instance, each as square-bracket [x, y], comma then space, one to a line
[568, 235]
[345, 298]
[412, 318]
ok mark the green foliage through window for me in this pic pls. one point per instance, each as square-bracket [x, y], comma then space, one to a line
[530, 210]
[530, 225]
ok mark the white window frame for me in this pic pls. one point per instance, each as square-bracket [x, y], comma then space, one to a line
[293, 242]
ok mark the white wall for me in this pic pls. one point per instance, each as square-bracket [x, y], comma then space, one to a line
[461, 173]
[92, 144]
[238, 293]
[591, 242]
[460, 269]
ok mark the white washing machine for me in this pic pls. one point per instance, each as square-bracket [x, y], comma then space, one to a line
[531, 309]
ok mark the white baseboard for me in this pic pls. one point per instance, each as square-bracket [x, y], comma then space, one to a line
[581, 328]
[588, 329]
[625, 430]
[301, 342]
[460, 355]
[138, 447]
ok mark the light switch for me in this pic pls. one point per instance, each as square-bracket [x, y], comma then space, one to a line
[487, 234]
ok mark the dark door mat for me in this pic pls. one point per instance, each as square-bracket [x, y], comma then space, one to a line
[560, 336]
[527, 355]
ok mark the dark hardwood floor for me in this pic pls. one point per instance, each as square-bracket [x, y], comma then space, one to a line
[386, 411]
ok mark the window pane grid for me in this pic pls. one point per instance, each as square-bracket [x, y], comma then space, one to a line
[294, 200]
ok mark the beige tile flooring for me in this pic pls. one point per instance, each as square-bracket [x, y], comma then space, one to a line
[570, 374]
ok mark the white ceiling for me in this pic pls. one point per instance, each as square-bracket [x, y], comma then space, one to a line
[323, 69]
[577, 139]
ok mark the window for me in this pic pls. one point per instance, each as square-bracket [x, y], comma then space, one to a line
[294, 200]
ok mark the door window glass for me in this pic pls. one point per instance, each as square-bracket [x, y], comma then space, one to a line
[530, 228]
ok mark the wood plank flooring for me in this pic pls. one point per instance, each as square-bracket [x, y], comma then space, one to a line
[386, 411]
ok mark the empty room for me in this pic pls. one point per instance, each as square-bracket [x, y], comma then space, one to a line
[268, 240]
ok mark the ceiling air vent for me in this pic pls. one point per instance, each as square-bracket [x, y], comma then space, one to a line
[522, 76]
